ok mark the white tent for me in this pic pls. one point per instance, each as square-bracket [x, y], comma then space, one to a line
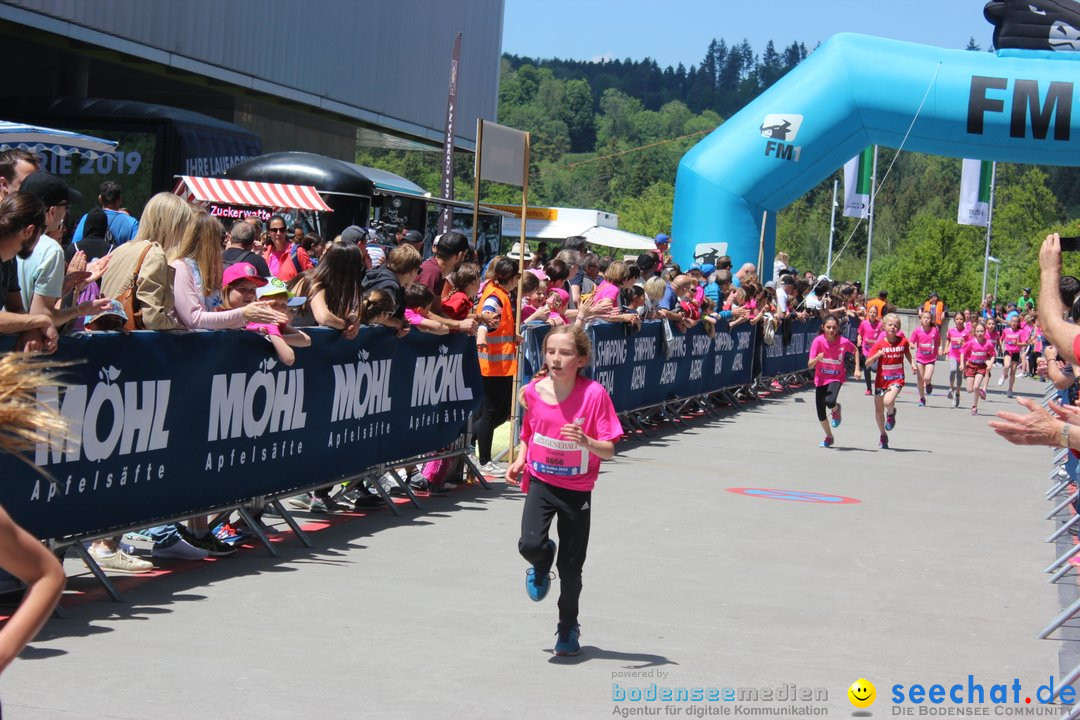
[34, 138]
[596, 226]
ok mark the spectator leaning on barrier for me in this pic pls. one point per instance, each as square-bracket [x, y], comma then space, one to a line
[239, 246]
[333, 290]
[122, 227]
[164, 220]
[15, 166]
[285, 259]
[22, 220]
[43, 277]
[197, 277]
[401, 268]
[449, 251]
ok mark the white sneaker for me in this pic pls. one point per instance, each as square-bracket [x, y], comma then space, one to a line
[1001, 380]
[180, 550]
[493, 469]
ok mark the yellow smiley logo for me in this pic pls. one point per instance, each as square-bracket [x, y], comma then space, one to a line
[862, 693]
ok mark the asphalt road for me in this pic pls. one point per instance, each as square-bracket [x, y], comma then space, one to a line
[932, 576]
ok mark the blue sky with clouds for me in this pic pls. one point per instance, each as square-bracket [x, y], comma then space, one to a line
[680, 30]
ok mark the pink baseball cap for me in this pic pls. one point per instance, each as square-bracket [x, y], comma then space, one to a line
[241, 271]
[563, 295]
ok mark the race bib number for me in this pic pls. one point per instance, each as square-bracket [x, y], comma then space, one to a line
[560, 458]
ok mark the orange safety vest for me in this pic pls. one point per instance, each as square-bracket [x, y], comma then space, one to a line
[500, 358]
[938, 312]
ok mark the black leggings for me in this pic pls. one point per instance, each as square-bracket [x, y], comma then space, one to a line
[868, 373]
[825, 396]
[493, 413]
[574, 510]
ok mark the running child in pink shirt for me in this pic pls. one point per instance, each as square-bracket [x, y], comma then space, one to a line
[569, 425]
[1013, 343]
[870, 331]
[889, 352]
[927, 342]
[956, 338]
[827, 360]
[978, 353]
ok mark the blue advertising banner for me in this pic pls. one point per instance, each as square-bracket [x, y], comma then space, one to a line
[164, 424]
[649, 367]
[782, 358]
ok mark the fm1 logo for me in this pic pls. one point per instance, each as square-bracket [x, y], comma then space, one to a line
[1027, 100]
[781, 130]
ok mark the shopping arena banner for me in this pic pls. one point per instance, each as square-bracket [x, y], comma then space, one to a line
[164, 424]
[782, 358]
[655, 364]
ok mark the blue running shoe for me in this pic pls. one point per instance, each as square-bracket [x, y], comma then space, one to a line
[566, 643]
[836, 417]
[890, 420]
[883, 441]
[537, 582]
[828, 441]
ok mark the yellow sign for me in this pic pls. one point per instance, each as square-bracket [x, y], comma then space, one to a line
[532, 213]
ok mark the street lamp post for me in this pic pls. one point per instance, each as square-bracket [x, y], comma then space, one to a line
[997, 266]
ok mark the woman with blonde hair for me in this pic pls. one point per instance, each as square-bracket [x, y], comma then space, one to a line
[197, 270]
[147, 258]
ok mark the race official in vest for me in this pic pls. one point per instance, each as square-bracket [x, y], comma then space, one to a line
[496, 344]
[936, 308]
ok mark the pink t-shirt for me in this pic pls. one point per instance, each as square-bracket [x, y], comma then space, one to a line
[957, 340]
[926, 344]
[412, 317]
[830, 368]
[978, 352]
[607, 291]
[559, 462]
[264, 328]
[870, 335]
[1011, 340]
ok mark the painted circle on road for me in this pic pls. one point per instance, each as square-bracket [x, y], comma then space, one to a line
[795, 496]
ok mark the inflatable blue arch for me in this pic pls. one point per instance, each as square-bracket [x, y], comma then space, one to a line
[1015, 105]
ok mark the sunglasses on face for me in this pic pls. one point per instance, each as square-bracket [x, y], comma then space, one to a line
[276, 230]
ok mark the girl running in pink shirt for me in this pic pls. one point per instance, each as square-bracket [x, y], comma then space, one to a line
[978, 353]
[1013, 343]
[569, 426]
[827, 360]
[957, 337]
[890, 353]
[927, 341]
[870, 331]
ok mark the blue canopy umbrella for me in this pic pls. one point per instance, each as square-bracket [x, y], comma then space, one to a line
[36, 139]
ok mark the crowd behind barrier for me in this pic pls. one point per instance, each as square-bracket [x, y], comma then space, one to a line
[169, 424]
[659, 363]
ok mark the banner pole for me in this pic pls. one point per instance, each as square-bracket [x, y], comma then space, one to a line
[832, 226]
[870, 227]
[476, 179]
[517, 303]
[989, 225]
[761, 246]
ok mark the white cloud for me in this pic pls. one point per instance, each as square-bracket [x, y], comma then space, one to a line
[606, 57]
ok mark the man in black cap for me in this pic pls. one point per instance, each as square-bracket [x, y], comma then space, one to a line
[42, 267]
[414, 238]
[1025, 302]
[448, 253]
[239, 246]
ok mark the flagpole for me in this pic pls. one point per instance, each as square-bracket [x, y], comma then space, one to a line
[832, 225]
[870, 227]
[989, 226]
[476, 174]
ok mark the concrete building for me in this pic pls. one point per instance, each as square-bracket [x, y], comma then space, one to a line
[314, 75]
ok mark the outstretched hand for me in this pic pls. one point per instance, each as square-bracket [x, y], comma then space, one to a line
[1037, 427]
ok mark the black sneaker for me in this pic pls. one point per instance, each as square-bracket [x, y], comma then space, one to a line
[213, 546]
[567, 642]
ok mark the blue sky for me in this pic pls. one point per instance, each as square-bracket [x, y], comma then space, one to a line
[680, 30]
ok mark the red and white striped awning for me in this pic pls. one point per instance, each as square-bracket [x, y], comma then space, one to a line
[250, 194]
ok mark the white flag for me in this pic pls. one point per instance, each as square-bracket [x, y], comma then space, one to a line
[976, 179]
[857, 180]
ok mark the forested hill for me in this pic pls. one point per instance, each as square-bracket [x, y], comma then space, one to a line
[726, 80]
[609, 135]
